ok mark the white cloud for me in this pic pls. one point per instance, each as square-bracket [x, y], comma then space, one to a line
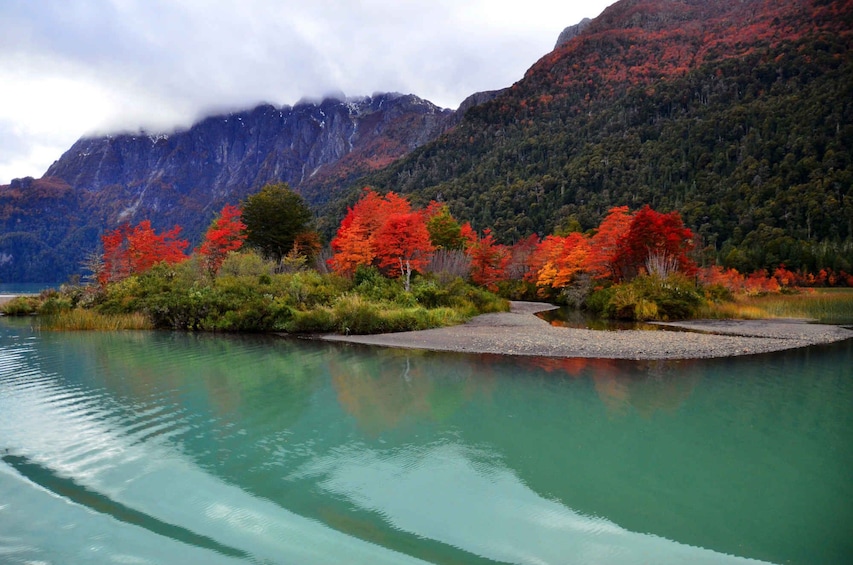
[71, 68]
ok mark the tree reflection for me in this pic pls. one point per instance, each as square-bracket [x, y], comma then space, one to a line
[390, 388]
[644, 386]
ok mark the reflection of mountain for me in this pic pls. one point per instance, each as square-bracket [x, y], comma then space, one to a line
[222, 376]
[484, 508]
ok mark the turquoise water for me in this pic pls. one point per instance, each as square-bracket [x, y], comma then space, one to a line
[178, 448]
[24, 288]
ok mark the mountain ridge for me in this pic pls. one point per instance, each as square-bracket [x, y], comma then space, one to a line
[736, 113]
[184, 178]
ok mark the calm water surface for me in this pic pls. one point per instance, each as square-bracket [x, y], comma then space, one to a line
[176, 448]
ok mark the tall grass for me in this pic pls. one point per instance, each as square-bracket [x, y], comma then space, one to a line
[79, 319]
[831, 306]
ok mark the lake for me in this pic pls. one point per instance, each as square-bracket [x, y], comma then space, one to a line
[157, 447]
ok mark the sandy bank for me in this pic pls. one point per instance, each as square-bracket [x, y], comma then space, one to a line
[519, 332]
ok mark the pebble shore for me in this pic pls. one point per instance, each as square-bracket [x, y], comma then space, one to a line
[520, 332]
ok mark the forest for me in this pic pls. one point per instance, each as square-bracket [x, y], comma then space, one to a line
[750, 140]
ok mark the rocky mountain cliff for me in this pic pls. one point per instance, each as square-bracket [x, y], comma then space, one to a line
[183, 178]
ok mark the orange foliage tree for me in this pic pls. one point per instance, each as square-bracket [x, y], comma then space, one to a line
[557, 260]
[131, 250]
[227, 233]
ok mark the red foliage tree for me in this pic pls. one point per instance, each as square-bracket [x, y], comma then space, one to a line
[131, 250]
[653, 235]
[356, 241]
[489, 261]
[402, 245]
[227, 233]
[605, 243]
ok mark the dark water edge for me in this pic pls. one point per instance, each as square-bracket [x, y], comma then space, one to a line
[201, 448]
[567, 317]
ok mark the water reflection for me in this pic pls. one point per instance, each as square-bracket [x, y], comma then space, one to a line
[643, 386]
[384, 389]
[311, 452]
[466, 498]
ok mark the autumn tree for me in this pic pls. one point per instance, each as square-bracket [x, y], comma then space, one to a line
[403, 245]
[654, 236]
[132, 250]
[275, 217]
[604, 244]
[556, 260]
[489, 261]
[354, 244]
[225, 234]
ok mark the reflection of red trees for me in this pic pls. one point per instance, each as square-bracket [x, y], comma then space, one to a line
[647, 387]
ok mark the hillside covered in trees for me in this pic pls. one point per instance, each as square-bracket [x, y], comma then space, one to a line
[738, 114]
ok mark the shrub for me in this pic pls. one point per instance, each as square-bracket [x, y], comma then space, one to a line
[429, 294]
[320, 319]
[21, 306]
[649, 297]
[54, 304]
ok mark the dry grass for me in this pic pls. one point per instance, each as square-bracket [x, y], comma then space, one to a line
[89, 320]
[824, 305]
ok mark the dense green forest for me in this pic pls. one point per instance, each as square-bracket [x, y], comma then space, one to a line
[755, 151]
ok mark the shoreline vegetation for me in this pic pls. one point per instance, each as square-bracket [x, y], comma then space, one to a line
[374, 310]
[395, 269]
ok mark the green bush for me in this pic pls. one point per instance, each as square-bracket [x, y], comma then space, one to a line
[54, 304]
[246, 263]
[648, 297]
[319, 319]
[429, 294]
[519, 290]
[21, 306]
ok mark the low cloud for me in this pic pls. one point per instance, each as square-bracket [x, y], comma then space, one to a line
[105, 65]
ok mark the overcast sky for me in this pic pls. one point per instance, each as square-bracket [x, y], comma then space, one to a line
[74, 67]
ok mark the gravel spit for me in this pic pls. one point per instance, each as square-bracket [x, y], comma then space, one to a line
[519, 332]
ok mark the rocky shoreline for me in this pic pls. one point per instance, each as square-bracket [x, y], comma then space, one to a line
[520, 332]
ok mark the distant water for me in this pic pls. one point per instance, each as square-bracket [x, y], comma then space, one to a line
[25, 288]
[179, 448]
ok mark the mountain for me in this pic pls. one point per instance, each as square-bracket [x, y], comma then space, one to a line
[47, 226]
[737, 113]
